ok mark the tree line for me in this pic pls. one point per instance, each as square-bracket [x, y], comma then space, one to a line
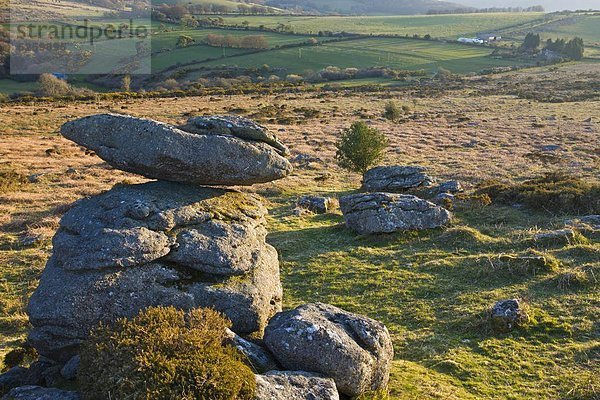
[573, 49]
[470, 10]
[237, 42]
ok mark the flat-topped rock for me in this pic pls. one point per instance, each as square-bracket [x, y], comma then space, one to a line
[158, 243]
[161, 151]
[397, 178]
[388, 212]
[234, 125]
[354, 350]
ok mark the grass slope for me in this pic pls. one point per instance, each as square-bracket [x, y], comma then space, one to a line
[432, 289]
[441, 26]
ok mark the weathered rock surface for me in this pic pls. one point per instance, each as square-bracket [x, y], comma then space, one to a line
[389, 212]
[586, 222]
[442, 198]
[294, 385]
[70, 369]
[40, 393]
[558, 237]
[506, 315]
[315, 204]
[161, 151]
[259, 358]
[355, 351]
[396, 178]
[14, 377]
[240, 127]
[451, 187]
[102, 268]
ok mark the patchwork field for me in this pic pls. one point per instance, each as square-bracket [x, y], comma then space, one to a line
[391, 52]
[431, 289]
[439, 26]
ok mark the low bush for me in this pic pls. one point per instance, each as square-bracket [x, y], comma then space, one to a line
[392, 111]
[553, 193]
[11, 180]
[164, 353]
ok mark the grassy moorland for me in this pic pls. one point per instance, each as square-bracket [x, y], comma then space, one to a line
[431, 289]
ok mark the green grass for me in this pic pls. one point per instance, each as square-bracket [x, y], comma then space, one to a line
[168, 39]
[231, 4]
[8, 86]
[442, 26]
[392, 52]
[432, 290]
[584, 26]
[165, 60]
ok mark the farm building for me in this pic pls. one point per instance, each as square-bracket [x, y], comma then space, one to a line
[489, 37]
[470, 40]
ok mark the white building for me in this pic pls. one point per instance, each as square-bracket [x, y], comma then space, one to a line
[471, 40]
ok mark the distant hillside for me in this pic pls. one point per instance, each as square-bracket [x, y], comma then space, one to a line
[372, 7]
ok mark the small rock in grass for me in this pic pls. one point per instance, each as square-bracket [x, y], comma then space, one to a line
[559, 237]
[451, 187]
[506, 315]
[315, 204]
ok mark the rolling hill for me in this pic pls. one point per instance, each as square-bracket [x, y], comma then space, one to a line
[373, 7]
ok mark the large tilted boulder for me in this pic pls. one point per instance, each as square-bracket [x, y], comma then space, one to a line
[397, 178]
[295, 385]
[158, 243]
[161, 151]
[355, 351]
[234, 125]
[368, 213]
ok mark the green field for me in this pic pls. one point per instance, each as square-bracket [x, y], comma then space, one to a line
[168, 59]
[396, 53]
[230, 4]
[168, 39]
[439, 26]
[8, 86]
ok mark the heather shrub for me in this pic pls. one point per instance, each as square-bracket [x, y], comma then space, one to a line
[164, 353]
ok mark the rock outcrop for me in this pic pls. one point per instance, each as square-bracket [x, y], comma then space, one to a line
[388, 212]
[161, 151]
[158, 243]
[396, 178]
[171, 243]
[355, 351]
[294, 385]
